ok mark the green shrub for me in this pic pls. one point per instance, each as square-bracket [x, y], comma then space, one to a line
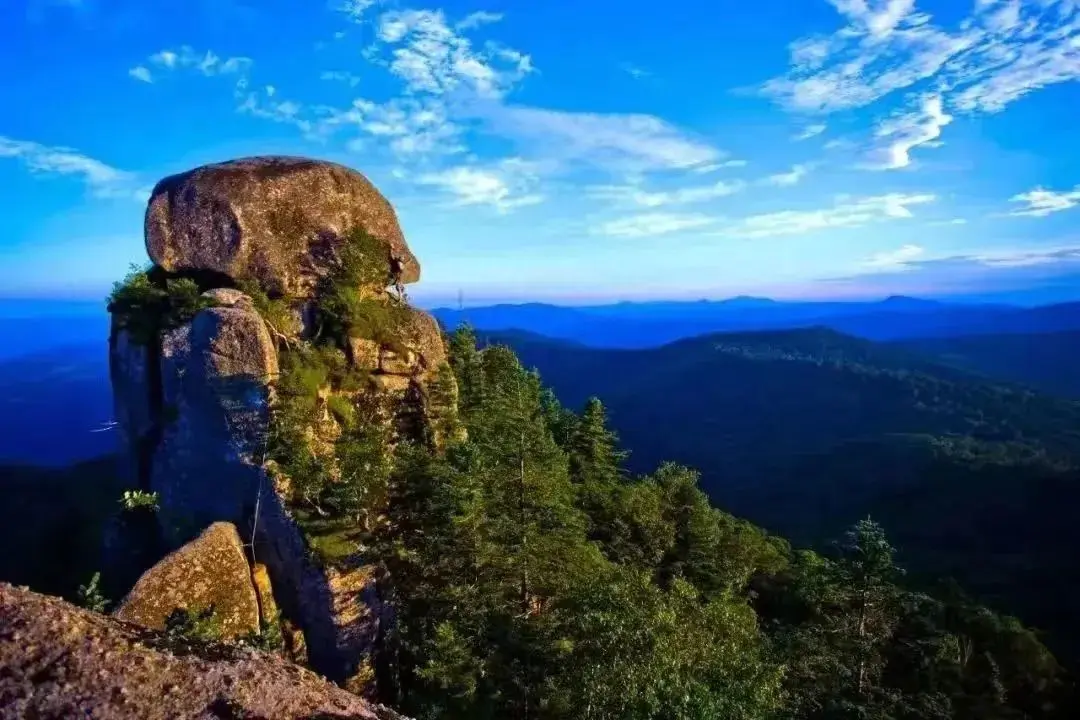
[201, 626]
[268, 638]
[276, 311]
[139, 499]
[90, 596]
[146, 303]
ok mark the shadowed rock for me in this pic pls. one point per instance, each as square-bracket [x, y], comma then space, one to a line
[59, 661]
[277, 219]
[215, 375]
[210, 570]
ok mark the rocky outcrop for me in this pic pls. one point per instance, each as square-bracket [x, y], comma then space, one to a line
[279, 220]
[58, 661]
[211, 570]
[195, 406]
[215, 378]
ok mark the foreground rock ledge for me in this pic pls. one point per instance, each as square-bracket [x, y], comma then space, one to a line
[59, 661]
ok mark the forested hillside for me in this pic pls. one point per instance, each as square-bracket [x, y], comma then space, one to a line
[531, 575]
[806, 431]
[1046, 361]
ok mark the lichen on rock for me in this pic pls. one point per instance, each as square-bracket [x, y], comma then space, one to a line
[60, 661]
[208, 572]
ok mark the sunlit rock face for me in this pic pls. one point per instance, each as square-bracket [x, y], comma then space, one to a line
[196, 405]
[280, 220]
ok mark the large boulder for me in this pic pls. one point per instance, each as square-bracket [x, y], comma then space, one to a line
[279, 220]
[59, 661]
[216, 373]
[210, 570]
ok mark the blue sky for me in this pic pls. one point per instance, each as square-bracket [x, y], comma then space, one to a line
[572, 152]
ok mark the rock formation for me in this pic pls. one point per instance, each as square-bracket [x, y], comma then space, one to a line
[195, 403]
[210, 571]
[278, 219]
[59, 661]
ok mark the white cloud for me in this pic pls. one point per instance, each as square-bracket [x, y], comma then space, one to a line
[103, 180]
[207, 63]
[355, 9]
[651, 224]
[811, 131]
[141, 73]
[713, 167]
[1026, 257]
[895, 259]
[410, 126]
[845, 212]
[1041, 202]
[635, 195]
[1003, 50]
[626, 143]
[635, 72]
[792, 177]
[477, 19]
[341, 76]
[431, 57]
[903, 133]
[505, 186]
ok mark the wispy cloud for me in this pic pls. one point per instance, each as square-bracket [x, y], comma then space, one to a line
[355, 10]
[1041, 202]
[341, 76]
[634, 194]
[845, 212]
[652, 224]
[787, 179]
[141, 73]
[102, 180]
[811, 131]
[895, 259]
[901, 134]
[430, 56]
[624, 143]
[635, 72]
[206, 63]
[505, 186]
[1002, 51]
[477, 19]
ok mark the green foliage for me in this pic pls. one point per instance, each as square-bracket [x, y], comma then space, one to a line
[146, 304]
[184, 626]
[133, 500]
[275, 311]
[90, 596]
[531, 576]
[269, 638]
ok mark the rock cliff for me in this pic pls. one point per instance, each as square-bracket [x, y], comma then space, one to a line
[270, 339]
[59, 661]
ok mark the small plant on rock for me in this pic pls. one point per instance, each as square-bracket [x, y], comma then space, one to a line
[90, 596]
[139, 500]
[200, 626]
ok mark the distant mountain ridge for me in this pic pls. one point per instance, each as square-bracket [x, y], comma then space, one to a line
[641, 325]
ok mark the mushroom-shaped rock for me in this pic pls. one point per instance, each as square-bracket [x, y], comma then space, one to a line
[209, 570]
[279, 220]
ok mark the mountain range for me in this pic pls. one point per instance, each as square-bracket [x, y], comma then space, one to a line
[639, 325]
